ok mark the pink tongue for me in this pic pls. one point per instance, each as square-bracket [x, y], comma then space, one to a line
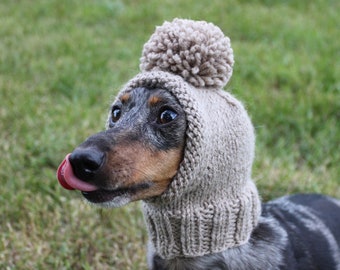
[69, 181]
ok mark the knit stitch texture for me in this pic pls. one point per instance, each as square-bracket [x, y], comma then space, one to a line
[212, 203]
[198, 51]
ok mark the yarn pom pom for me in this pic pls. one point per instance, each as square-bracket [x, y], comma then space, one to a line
[196, 50]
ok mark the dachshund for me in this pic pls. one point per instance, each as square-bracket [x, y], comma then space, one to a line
[137, 157]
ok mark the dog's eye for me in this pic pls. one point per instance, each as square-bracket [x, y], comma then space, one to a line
[115, 114]
[166, 116]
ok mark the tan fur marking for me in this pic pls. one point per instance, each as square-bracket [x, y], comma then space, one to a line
[153, 100]
[125, 98]
[134, 164]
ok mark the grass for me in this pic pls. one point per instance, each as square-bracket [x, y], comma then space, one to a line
[61, 63]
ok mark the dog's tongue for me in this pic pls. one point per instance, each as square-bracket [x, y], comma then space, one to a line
[69, 181]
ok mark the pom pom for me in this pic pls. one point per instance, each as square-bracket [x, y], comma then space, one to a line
[196, 50]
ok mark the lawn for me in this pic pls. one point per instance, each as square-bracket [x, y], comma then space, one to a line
[61, 63]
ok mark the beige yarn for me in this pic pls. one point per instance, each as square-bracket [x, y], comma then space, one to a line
[211, 204]
[198, 51]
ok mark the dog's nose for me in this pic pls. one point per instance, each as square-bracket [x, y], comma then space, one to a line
[86, 162]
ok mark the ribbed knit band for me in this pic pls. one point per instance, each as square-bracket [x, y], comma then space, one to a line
[189, 230]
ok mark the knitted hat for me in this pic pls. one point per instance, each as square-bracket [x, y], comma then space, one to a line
[211, 204]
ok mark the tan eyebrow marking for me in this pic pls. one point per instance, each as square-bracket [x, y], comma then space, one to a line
[153, 100]
[125, 98]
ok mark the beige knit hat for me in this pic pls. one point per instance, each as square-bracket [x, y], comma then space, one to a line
[211, 204]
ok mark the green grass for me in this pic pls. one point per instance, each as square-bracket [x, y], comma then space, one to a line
[61, 63]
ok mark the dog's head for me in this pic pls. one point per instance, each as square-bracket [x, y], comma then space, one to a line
[174, 110]
[136, 157]
[178, 141]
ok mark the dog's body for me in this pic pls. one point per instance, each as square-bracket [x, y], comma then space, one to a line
[136, 158]
[294, 232]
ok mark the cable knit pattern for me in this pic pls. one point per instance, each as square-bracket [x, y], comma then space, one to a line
[212, 203]
[197, 51]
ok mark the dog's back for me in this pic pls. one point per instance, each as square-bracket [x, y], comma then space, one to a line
[312, 223]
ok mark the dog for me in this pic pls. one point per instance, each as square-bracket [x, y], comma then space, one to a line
[137, 157]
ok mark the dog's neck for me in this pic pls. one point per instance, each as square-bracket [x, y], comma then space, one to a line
[193, 227]
[263, 250]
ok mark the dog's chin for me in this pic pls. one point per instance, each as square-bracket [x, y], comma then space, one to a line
[107, 199]
[116, 197]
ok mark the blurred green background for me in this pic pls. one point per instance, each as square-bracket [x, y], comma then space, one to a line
[61, 63]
